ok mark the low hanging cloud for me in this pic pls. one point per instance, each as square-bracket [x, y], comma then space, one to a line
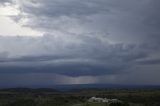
[85, 39]
[89, 56]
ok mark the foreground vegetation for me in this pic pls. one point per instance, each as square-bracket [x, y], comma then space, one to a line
[44, 97]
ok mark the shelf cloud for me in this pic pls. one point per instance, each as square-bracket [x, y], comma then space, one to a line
[100, 41]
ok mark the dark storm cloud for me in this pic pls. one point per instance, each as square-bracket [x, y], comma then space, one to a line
[63, 8]
[33, 58]
[59, 14]
[89, 57]
[85, 38]
[150, 62]
[31, 80]
[68, 69]
[120, 19]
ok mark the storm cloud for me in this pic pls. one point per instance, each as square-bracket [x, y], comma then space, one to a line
[103, 41]
[89, 56]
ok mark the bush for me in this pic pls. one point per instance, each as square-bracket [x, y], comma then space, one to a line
[23, 102]
[119, 104]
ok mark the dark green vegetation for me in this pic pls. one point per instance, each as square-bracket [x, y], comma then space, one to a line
[49, 97]
[102, 104]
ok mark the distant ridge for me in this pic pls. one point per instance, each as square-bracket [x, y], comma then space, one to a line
[30, 90]
[75, 87]
[104, 86]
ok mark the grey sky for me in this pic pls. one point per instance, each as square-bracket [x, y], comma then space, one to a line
[101, 41]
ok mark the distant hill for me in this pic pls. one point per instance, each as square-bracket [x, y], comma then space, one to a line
[102, 86]
[76, 87]
[30, 90]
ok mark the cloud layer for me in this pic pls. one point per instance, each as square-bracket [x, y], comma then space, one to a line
[55, 54]
[100, 41]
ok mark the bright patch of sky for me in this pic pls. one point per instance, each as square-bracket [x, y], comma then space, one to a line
[8, 27]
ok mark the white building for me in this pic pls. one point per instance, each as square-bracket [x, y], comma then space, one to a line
[103, 100]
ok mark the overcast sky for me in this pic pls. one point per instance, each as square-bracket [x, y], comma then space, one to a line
[48, 42]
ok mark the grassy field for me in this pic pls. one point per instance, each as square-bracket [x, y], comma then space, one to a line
[92, 104]
[23, 97]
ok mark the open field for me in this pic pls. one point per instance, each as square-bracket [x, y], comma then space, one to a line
[44, 97]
